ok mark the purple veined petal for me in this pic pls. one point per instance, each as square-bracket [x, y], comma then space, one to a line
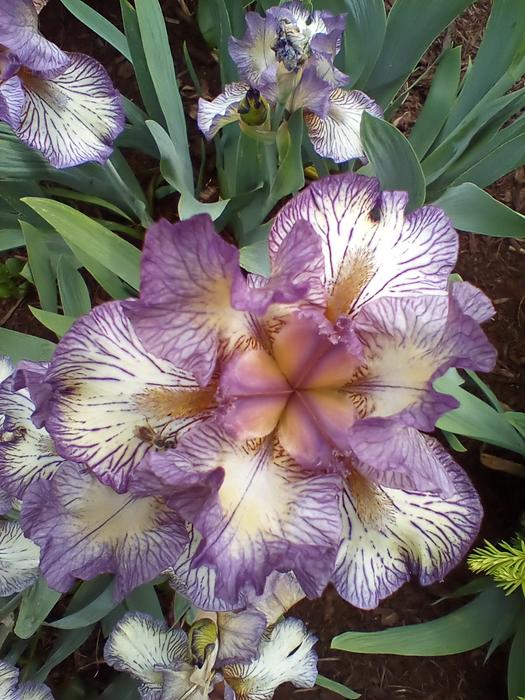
[12, 100]
[34, 691]
[6, 502]
[267, 515]
[337, 135]
[73, 117]
[472, 301]
[240, 634]
[19, 559]
[32, 375]
[143, 646]
[212, 116]
[295, 275]
[84, 529]
[312, 93]
[287, 656]
[185, 313]
[190, 682]
[372, 247]
[391, 535]
[282, 592]
[19, 33]
[9, 681]
[253, 54]
[27, 453]
[408, 344]
[330, 74]
[113, 402]
[393, 455]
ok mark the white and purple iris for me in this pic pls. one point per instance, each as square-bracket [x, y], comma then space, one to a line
[61, 104]
[287, 58]
[227, 427]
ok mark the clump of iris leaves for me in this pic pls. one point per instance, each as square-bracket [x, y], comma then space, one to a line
[469, 133]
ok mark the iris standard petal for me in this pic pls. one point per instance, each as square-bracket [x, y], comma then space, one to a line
[391, 535]
[19, 33]
[337, 135]
[27, 453]
[12, 100]
[185, 313]
[113, 402]
[472, 301]
[287, 656]
[18, 559]
[212, 116]
[74, 116]
[295, 277]
[84, 529]
[253, 54]
[142, 646]
[371, 246]
[267, 515]
[240, 634]
[408, 343]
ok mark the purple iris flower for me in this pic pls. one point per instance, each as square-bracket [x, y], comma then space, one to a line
[61, 104]
[287, 57]
[12, 689]
[285, 420]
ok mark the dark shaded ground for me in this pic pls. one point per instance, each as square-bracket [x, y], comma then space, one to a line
[495, 265]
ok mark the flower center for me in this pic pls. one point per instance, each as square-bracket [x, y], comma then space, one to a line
[292, 46]
[297, 390]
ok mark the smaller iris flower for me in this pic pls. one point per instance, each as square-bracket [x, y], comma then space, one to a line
[171, 663]
[287, 58]
[61, 104]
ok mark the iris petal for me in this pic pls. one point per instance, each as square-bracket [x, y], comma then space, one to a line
[391, 535]
[74, 116]
[336, 135]
[212, 116]
[84, 528]
[114, 402]
[18, 559]
[371, 246]
[12, 99]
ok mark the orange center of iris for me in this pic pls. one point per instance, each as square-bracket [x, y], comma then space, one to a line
[299, 390]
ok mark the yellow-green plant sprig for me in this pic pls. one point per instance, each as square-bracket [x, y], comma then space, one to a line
[505, 562]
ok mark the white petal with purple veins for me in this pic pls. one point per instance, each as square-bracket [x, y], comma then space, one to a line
[253, 54]
[18, 559]
[26, 453]
[408, 343]
[391, 535]
[212, 116]
[267, 515]
[8, 681]
[286, 657]
[371, 246]
[84, 529]
[12, 99]
[34, 691]
[142, 646]
[19, 33]
[337, 135]
[73, 117]
[113, 401]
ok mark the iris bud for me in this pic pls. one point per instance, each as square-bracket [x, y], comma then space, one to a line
[253, 109]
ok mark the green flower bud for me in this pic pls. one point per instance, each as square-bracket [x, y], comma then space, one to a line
[253, 109]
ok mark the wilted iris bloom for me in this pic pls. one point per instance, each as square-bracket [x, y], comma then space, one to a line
[61, 104]
[287, 58]
[285, 419]
[250, 654]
